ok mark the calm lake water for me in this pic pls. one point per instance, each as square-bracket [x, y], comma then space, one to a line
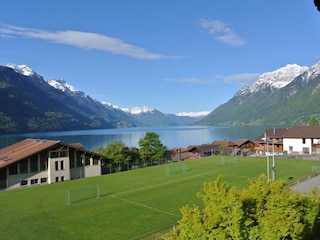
[177, 136]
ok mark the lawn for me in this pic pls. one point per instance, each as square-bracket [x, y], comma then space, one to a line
[133, 204]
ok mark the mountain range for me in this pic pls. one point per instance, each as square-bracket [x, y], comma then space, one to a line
[287, 96]
[31, 104]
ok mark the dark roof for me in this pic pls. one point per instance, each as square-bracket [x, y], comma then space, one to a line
[305, 131]
[272, 133]
[23, 149]
[207, 147]
[240, 142]
[224, 143]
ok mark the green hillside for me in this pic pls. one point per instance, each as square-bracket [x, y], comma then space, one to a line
[293, 104]
[132, 205]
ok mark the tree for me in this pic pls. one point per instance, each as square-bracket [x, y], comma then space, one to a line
[262, 211]
[151, 147]
[314, 121]
[118, 153]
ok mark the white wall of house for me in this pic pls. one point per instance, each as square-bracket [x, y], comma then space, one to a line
[58, 169]
[297, 145]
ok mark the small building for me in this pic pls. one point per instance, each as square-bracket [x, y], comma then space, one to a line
[271, 140]
[225, 147]
[36, 161]
[243, 146]
[302, 140]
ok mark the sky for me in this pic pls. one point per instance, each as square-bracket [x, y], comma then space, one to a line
[176, 56]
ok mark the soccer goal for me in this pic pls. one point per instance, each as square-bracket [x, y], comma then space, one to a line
[176, 168]
[80, 194]
[228, 159]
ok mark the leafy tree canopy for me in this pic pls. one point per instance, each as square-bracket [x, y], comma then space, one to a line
[151, 147]
[314, 121]
[262, 211]
[117, 152]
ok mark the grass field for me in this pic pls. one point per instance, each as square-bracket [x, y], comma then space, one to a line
[132, 205]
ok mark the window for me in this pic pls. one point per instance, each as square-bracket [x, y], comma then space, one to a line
[34, 164]
[303, 141]
[305, 150]
[43, 164]
[57, 165]
[290, 148]
[34, 181]
[62, 178]
[23, 166]
[57, 179]
[62, 165]
[24, 182]
[43, 180]
[13, 169]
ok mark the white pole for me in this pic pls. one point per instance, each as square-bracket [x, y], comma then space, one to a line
[273, 163]
[268, 167]
[265, 139]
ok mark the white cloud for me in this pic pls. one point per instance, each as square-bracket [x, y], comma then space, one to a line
[243, 78]
[221, 32]
[85, 40]
[193, 114]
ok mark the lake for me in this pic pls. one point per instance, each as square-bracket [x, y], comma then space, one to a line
[173, 136]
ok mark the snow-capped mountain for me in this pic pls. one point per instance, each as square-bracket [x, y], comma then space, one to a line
[289, 95]
[271, 81]
[22, 69]
[63, 86]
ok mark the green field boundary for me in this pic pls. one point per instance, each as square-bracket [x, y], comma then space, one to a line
[302, 178]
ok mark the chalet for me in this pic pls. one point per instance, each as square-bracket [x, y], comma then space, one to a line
[35, 161]
[271, 140]
[195, 151]
[302, 140]
[225, 147]
[243, 146]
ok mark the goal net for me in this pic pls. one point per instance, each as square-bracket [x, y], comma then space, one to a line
[176, 168]
[228, 159]
[80, 194]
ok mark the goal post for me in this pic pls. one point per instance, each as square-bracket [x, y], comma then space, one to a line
[228, 159]
[80, 194]
[176, 168]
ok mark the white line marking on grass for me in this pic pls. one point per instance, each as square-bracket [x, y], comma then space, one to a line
[145, 206]
[165, 183]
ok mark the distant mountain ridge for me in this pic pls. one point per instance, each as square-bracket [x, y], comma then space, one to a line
[32, 104]
[287, 96]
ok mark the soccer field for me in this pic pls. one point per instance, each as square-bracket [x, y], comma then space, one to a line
[131, 205]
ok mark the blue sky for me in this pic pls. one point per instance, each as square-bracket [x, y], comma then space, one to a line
[175, 56]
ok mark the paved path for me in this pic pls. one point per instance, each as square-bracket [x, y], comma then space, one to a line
[307, 185]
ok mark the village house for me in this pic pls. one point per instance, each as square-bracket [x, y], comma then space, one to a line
[302, 140]
[243, 146]
[35, 161]
[194, 151]
[271, 140]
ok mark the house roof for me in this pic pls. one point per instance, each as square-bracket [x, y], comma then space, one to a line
[207, 147]
[240, 142]
[272, 133]
[224, 143]
[304, 131]
[23, 149]
[29, 146]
